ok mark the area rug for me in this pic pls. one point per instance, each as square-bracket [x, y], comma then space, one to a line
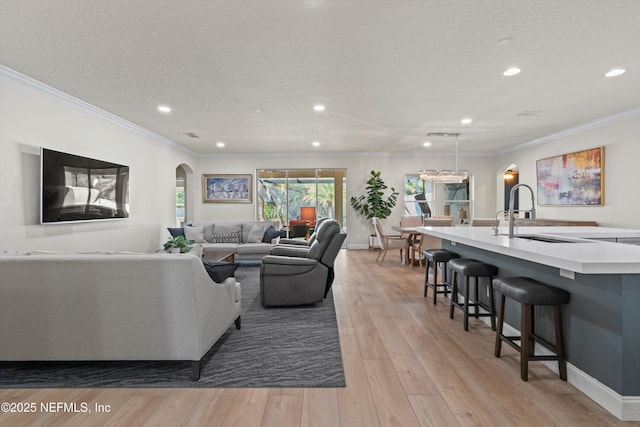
[276, 347]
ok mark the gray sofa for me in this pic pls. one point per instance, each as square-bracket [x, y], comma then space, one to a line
[245, 238]
[112, 306]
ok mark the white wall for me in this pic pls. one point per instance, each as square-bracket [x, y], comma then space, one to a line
[621, 138]
[393, 168]
[32, 116]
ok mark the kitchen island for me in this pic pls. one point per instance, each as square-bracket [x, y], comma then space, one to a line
[602, 319]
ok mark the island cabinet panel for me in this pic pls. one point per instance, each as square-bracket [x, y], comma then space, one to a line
[601, 321]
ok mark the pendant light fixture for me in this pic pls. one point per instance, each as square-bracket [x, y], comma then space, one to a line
[444, 176]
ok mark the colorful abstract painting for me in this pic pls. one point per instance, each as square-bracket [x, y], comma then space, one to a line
[574, 179]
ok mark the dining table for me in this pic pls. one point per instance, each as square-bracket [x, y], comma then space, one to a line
[415, 235]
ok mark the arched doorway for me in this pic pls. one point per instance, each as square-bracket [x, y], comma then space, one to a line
[183, 203]
[510, 178]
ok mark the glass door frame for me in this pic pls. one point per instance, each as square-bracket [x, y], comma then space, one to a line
[337, 210]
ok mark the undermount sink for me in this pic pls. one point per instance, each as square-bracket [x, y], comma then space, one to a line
[546, 239]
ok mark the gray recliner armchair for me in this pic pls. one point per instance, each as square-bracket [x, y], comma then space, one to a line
[301, 242]
[304, 275]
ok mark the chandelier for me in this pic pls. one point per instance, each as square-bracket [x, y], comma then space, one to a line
[445, 176]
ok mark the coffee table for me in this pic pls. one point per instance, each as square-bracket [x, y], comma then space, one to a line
[219, 255]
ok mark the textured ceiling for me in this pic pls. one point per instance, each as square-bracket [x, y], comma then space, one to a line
[389, 72]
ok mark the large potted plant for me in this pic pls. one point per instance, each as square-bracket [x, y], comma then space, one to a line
[374, 203]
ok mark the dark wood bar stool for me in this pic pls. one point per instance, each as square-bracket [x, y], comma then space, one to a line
[529, 293]
[433, 258]
[476, 269]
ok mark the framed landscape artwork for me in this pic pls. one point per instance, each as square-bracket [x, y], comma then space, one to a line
[574, 179]
[226, 188]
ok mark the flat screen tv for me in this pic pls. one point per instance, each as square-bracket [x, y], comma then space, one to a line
[76, 188]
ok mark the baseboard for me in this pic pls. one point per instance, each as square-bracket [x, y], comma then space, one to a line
[625, 408]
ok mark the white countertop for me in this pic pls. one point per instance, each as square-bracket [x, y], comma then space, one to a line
[584, 256]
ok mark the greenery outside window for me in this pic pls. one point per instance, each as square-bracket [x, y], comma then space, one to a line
[282, 192]
[181, 194]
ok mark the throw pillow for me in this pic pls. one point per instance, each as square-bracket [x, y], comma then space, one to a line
[220, 271]
[208, 230]
[230, 237]
[270, 234]
[175, 232]
[256, 234]
[194, 233]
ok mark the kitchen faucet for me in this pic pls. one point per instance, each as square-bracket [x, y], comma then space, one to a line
[495, 226]
[512, 213]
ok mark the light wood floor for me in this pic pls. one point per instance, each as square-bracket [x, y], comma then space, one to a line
[406, 364]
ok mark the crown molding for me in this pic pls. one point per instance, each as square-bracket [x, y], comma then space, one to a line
[574, 130]
[328, 154]
[16, 77]
[12, 75]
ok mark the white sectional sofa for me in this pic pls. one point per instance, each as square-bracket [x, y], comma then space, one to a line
[119, 306]
[245, 238]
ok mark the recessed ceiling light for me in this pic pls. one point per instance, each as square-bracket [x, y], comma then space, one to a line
[257, 110]
[426, 144]
[164, 109]
[220, 144]
[316, 143]
[512, 71]
[466, 121]
[318, 107]
[615, 72]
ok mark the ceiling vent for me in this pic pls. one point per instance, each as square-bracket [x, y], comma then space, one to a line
[527, 113]
[191, 135]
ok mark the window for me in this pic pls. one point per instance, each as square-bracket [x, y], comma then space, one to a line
[442, 199]
[282, 192]
[414, 186]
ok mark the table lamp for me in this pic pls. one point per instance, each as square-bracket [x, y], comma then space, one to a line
[308, 214]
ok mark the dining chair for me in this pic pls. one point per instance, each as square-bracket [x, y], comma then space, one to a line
[483, 222]
[389, 242]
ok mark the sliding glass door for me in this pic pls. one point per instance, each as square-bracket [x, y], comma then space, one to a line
[286, 194]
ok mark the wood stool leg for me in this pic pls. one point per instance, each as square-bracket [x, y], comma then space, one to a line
[477, 296]
[445, 279]
[466, 302]
[562, 360]
[426, 278]
[532, 342]
[454, 293]
[435, 282]
[492, 303]
[498, 346]
[525, 341]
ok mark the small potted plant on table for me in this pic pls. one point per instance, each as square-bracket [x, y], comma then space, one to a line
[178, 244]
